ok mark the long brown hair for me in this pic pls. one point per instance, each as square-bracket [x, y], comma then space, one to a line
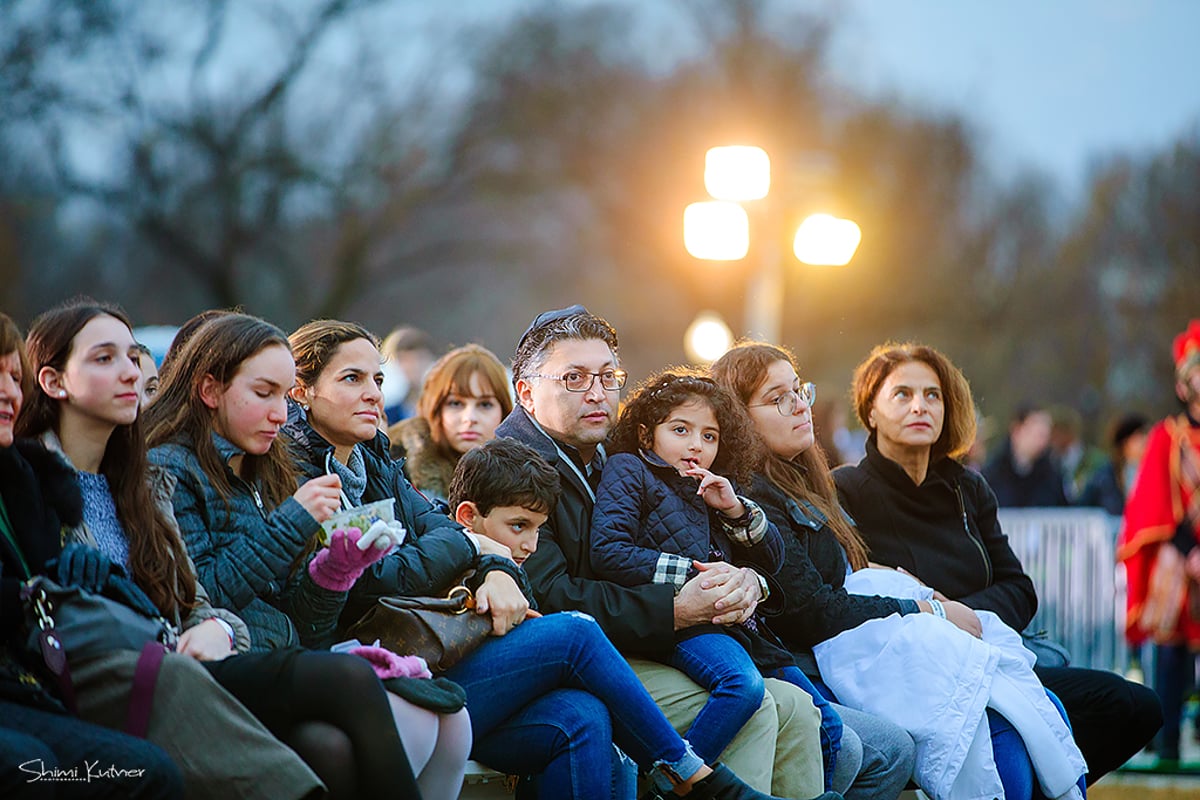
[451, 374]
[179, 415]
[958, 426]
[156, 553]
[742, 371]
[185, 332]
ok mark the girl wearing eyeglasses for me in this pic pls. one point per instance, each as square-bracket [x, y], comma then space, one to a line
[665, 511]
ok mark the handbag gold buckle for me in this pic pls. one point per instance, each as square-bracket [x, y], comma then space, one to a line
[457, 590]
[42, 608]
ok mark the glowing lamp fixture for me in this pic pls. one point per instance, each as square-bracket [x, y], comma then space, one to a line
[716, 231]
[737, 173]
[825, 240]
[707, 338]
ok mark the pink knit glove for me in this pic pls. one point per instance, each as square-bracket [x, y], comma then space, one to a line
[339, 565]
[389, 665]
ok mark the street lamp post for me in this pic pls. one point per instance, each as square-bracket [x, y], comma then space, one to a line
[718, 230]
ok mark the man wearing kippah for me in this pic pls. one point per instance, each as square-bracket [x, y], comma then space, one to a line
[1160, 543]
[568, 378]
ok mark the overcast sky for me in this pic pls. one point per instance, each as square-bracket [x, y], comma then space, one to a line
[1049, 83]
[1052, 84]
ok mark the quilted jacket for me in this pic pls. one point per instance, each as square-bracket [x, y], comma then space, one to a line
[244, 555]
[649, 525]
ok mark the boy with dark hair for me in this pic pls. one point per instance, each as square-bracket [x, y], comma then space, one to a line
[505, 491]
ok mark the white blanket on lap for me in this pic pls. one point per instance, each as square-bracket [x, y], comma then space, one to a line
[935, 681]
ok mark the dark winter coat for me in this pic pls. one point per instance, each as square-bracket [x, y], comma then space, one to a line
[434, 556]
[1103, 490]
[945, 532]
[42, 501]
[815, 606]
[1041, 487]
[649, 525]
[244, 555]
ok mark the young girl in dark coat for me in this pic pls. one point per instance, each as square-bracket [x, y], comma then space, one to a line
[665, 510]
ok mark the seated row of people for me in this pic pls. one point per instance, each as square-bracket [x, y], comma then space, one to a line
[548, 698]
[695, 569]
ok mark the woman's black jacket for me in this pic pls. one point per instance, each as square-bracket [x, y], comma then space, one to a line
[944, 531]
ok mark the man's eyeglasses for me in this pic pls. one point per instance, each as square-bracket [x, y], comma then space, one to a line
[575, 381]
[787, 402]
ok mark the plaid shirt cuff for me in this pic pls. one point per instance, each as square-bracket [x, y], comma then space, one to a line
[672, 569]
[753, 531]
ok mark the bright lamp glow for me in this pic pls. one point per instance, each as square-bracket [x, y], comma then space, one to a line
[825, 240]
[707, 338]
[716, 231]
[737, 172]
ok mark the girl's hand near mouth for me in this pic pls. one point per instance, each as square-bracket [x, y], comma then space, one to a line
[717, 492]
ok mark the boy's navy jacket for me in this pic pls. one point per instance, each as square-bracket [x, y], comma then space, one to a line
[645, 508]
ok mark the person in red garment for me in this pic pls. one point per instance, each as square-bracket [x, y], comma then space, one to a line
[1160, 543]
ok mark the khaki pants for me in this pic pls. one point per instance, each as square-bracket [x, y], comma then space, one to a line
[778, 751]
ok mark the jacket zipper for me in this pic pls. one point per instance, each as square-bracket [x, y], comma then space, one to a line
[962, 507]
[254, 493]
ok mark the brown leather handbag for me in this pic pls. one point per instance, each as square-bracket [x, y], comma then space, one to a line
[441, 630]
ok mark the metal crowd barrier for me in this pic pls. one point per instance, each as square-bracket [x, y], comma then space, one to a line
[1070, 555]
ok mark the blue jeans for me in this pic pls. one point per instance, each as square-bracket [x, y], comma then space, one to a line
[1012, 759]
[720, 665]
[552, 696]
